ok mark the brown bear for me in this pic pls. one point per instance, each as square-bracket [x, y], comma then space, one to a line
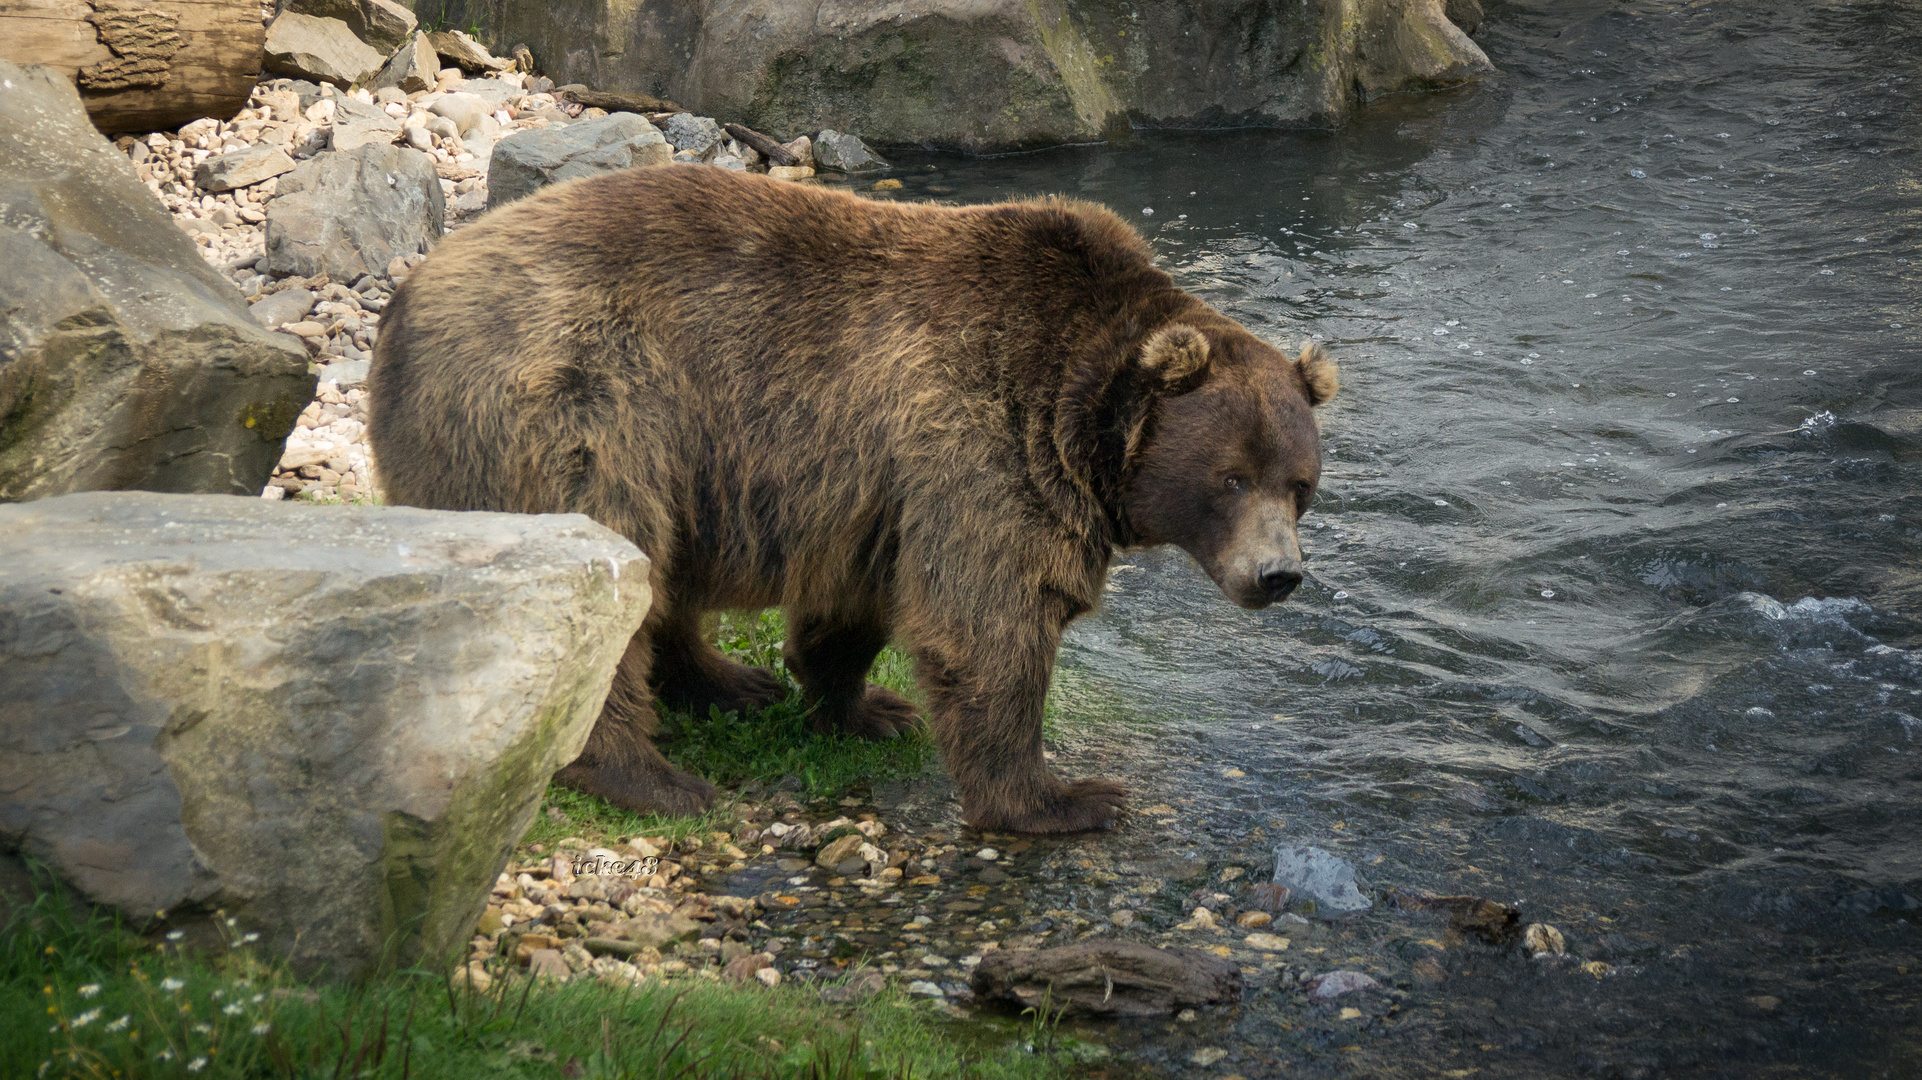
[918, 423]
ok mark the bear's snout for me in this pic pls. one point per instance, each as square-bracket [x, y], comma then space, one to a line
[1278, 578]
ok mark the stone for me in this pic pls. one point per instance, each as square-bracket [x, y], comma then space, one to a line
[1249, 920]
[654, 930]
[973, 76]
[354, 134]
[385, 690]
[1319, 875]
[926, 989]
[324, 50]
[242, 168]
[845, 851]
[474, 977]
[789, 172]
[283, 307]
[1542, 939]
[549, 964]
[494, 92]
[803, 150]
[694, 134]
[1337, 983]
[382, 24]
[464, 52]
[528, 160]
[837, 152]
[1466, 14]
[126, 361]
[465, 110]
[1266, 942]
[349, 213]
[768, 976]
[1107, 978]
[345, 373]
[412, 69]
[859, 987]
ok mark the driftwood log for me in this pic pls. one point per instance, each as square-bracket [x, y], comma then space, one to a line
[142, 65]
[1107, 978]
[612, 100]
[771, 150]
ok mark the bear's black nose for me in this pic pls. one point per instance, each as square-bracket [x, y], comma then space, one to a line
[1279, 577]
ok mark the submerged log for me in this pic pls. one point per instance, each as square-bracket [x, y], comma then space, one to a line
[142, 65]
[1107, 978]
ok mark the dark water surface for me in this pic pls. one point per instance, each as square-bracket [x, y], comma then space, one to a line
[1616, 592]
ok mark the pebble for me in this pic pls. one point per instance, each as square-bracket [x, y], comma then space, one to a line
[1541, 939]
[1266, 942]
[1337, 983]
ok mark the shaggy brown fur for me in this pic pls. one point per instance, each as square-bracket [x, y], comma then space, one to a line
[906, 422]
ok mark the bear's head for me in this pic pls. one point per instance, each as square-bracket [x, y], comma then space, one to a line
[1229, 459]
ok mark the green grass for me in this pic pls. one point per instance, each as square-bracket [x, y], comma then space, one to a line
[86, 998]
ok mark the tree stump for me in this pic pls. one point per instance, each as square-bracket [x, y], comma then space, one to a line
[142, 65]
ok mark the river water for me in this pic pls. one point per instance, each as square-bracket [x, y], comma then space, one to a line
[1615, 596]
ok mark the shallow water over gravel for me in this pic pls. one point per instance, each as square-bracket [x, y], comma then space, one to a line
[1614, 604]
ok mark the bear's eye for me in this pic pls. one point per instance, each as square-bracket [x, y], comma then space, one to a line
[1234, 483]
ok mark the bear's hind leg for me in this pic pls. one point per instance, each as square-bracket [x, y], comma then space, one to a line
[620, 763]
[831, 658]
[691, 675]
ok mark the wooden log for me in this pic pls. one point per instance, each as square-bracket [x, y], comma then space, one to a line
[617, 101]
[142, 65]
[771, 150]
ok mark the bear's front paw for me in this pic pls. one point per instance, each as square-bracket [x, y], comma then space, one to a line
[644, 791]
[1079, 806]
[879, 714]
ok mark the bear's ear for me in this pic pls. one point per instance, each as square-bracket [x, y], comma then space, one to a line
[1319, 373]
[1176, 352]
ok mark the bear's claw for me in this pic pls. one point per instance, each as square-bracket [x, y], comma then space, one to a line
[879, 714]
[1079, 806]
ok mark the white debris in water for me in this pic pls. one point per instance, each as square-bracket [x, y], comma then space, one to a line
[1441, 502]
[1548, 594]
[1638, 174]
[1820, 421]
[1147, 211]
[1340, 594]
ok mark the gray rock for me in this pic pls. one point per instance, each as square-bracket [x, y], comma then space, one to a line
[125, 360]
[382, 24]
[464, 52]
[694, 134]
[1466, 14]
[345, 373]
[839, 152]
[1319, 875]
[493, 91]
[465, 110]
[241, 168]
[285, 306]
[528, 160]
[1337, 983]
[354, 134]
[350, 213]
[969, 75]
[325, 50]
[413, 68]
[192, 687]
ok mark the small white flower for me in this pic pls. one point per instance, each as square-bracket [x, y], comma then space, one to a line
[249, 937]
[176, 935]
[258, 998]
[204, 1029]
[234, 1009]
[120, 1024]
[89, 990]
[171, 984]
[165, 1055]
[232, 922]
[86, 1018]
[197, 1064]
[218, 994]
[262, 1029]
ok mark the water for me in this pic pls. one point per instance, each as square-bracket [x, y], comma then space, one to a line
[1613, 601]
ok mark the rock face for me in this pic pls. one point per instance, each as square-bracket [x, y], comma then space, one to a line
[325, 50]
[991, 74]
[1108, 978]
[333, 722]
[125, 360]
[530, 160]
[352, 212]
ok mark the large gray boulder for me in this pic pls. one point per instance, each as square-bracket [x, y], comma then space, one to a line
[413, 67]
[331, 722]
[984, 75]
[324, 50]
[125, 360]
[350, 212]
[381, 24]
[529, 160]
